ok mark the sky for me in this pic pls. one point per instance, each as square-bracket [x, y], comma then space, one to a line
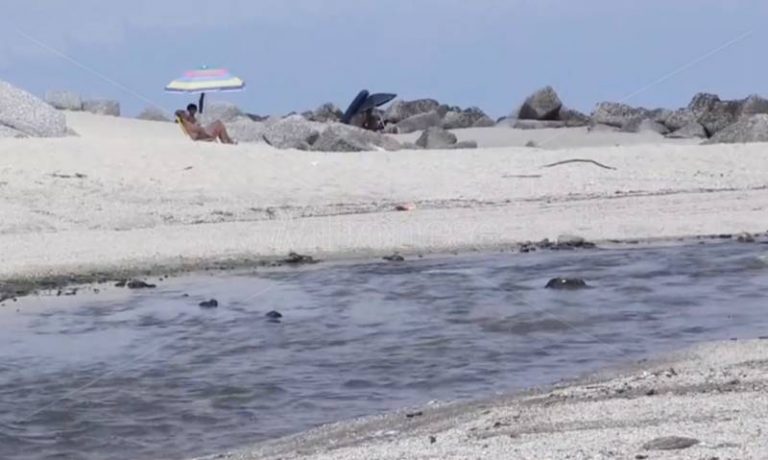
[297, 54]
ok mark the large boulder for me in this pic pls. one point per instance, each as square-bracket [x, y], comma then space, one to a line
[219, 110]
[720, 116]
[294, 132]
[420, 122]
[692, 130]
[753, 128]
[702, 103]
[544, 104]
[472, 117]
[617, 114]
[153, 113]
[326, 113]
[29, 115]
[573, 118]
[345, 138]
[679, 119]
[401, 110]
[102, 107]
[64, 100]
[244, 129]
[436, 138]
[753, 105]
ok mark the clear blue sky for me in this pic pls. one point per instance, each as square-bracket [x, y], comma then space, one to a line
[297, 54]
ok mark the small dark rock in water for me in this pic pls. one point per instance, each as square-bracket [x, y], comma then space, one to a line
[394, 258]
[138, 284]
[414, 414]
[213, 303]
[274, 315]
[121, 283]
[745, 238]
[566, 284]
[298, 259]
[432, 439]
[670, 443]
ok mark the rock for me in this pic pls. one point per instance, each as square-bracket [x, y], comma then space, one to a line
[345, 138]
[566, 284]
[574, 118]
[751, 129]
[6, 132]
[245, 130]
[219, 110]
[571, 242]
[394, 258]
[670, 443]
[326, 113]
[436, 138]
[138, 284]
[274, 315]
[538, 124]
[152, 113]
[102, 107]
[679, 119]
[64, 100]
[638, 125]
[254, 117]
[720, 116]
[26, 114]
[692, 130]
[544, 104]
[472, 117]
[291, 133]
[617, 115]
[659, 115]
[419, 122]
[753, 105]
[213, 303]
[298, 259]
[464, 145]
[401, 110]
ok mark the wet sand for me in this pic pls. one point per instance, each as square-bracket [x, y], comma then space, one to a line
[705, 403]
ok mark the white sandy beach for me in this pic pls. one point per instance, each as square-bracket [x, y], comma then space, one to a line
[134, 194]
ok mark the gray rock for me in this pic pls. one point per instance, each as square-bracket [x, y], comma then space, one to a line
[102, 107]
[538, 124]
[702, 103]
[574, 118]
[469, 118]
[326, 113]
[680, 118]
[464, 145]
[753, 105]
[401, 110]
[64, 100]
[27, 114]
[617, 115]
[6, 132]
[294, 132]
[638, 125]
[255, 117]
[436, 138]
[219, 110]
[721, 115]
[152, 113]
[544, 104]
[670, 443]
[659, 115]
[749, 129]
[246, 130]
[345, 138]
[419, 122]
[692, 130]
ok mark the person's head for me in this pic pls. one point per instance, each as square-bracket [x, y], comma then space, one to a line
[192, 109]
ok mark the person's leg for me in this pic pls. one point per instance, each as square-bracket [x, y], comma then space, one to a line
[218, 130]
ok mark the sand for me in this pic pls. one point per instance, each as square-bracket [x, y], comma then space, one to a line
[131, 194]
[713, 395]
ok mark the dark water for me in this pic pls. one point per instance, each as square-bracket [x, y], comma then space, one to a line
[148, 374]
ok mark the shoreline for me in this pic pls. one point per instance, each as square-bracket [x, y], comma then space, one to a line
[711, 394]
[12, 287]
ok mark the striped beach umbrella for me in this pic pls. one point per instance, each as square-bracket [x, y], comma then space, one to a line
[205, 80]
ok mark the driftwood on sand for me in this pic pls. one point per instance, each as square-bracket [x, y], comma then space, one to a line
[578, 160]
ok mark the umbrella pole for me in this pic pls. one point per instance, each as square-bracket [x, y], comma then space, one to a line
[202, 99]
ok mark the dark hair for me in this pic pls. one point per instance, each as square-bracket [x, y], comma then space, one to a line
[191, 107]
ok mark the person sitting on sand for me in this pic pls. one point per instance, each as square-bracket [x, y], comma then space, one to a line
[197, 132]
